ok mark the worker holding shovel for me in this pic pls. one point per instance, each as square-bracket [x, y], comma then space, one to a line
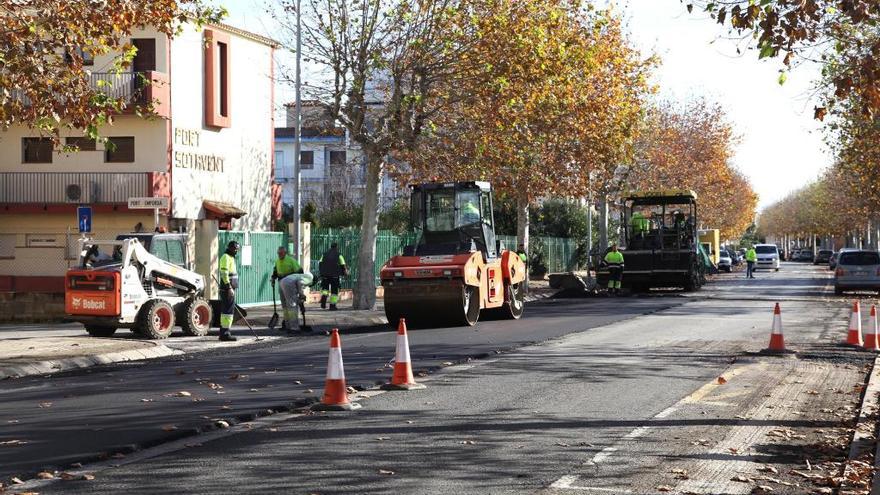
[291, 280]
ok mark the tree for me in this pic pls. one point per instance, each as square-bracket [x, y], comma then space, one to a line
[555, 93]
[381, 62]
[43, 83]
[815, 30]
[689, 146]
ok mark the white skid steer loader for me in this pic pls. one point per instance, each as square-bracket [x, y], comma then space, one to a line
[121, 284]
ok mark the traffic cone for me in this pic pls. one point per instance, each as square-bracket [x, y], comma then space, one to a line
[335, 392]
[854, 336]
[777, 341]
[403, 378]
[872, 342]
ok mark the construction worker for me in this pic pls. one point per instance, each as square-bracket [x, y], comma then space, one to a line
[470, 213]
[332, 267]
[751, 259]
[286, 271]
[639, 224]
[614, 259]
[228, 285]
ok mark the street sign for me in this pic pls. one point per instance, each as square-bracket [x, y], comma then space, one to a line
[148, 203]
[84, 218]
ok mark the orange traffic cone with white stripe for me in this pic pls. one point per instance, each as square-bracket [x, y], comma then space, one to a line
[403, 378]
[335, 392]
[854, 335]
[872, 340]
[777, 341]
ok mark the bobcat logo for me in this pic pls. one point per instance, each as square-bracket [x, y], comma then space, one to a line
[76, 302]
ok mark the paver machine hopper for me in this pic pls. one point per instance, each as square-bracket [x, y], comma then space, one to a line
[457, 268]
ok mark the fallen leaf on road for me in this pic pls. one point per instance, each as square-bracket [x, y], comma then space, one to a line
[422, 374]
[183, 393]
[255, 390]
[214, 386]
[467, 442]
[88, 477]
[762, 489]
[146, 400]
[76, 465]
[68, 476]
[768, 469]
[812, 392]
[44, 405]
[297, 382]
[808, 476]
[722, 380]
[733, 450]
[45, 475]
[382, 439]
[309, 391]
[234, 377]
[824, 490]
[225, 408]
[385, 471]
[680, 474]
[222, 424]
[13, 421]
[742, 479]
[273, 429]
[17, 481]
[410, 422]
[663, 488]
[446, 363]
[169, 428]
[12, 443]
[562, 444]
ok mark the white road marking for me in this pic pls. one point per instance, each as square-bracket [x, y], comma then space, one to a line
[567, 483]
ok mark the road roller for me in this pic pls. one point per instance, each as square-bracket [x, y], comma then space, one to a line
[457, 269]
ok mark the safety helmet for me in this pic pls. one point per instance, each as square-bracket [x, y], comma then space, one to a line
[233, 246]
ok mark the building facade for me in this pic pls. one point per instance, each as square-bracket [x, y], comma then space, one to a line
[332, 166]
[207, 148]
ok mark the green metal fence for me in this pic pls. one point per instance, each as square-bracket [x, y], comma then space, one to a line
[560, 253]
[254, 286]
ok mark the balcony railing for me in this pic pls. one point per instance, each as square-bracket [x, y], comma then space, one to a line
[133, 88]
[72, 187]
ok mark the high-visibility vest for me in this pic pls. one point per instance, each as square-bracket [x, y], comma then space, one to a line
[614, 258]
[285, 266]
[228, 273]
[751, 255]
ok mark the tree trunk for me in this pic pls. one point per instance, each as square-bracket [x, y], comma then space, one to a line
[365, 289]
[522, 219]
[603, 225]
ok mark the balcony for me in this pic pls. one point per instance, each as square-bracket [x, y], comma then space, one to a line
[133, 88]
[72, 187]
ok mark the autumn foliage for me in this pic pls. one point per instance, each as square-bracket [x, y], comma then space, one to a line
[690, 147]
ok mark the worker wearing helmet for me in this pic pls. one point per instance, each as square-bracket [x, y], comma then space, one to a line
[228, 284]
[290, 274]
[470, 212]
[332, 267]
[614, 259]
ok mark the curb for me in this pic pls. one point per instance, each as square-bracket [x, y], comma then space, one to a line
[864, 437]
[67, 364]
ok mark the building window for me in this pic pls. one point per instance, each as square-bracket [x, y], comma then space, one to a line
[81, 143]
[279, 166]
[120, 150]
[337, 157]
[306, 160]
[87, 58]
[218, 90]
[36, 150]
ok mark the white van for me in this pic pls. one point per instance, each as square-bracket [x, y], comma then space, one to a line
[768, 256]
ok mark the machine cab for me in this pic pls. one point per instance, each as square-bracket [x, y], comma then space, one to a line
[453, 218]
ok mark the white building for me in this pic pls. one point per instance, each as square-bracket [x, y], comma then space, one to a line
[208, 149]
[333, 167]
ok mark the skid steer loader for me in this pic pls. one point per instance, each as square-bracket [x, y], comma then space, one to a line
[121, 284]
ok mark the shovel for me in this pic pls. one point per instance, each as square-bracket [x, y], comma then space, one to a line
[273, 322]
[302, 310]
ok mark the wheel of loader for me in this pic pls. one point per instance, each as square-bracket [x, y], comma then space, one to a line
[99, 331]
[195, 317]
[156, 319]
[470, 306]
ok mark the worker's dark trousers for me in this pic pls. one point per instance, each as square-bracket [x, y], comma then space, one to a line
[750, 269]
[227, 310]
[330, 287]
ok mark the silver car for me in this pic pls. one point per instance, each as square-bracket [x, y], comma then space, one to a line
[857, 270]
[725, 262]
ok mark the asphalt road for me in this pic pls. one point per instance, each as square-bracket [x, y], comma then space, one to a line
[581, 379]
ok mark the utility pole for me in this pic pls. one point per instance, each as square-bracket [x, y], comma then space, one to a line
[297, 172]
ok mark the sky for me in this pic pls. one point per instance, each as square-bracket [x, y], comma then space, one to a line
[781, 147]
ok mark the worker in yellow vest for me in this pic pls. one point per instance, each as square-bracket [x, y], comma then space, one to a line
[228, 285]
[291, 282]
[614, 259]
[751, 259]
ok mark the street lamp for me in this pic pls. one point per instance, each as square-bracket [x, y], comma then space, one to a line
[297, 144]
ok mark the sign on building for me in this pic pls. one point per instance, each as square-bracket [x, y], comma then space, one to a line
[161, 203]
[84, 218]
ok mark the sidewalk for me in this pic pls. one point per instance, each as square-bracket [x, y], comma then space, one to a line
[42, 349]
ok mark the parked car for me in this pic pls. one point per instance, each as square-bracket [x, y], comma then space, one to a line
[725, 261]
[832, 261]
[857, 270]
[822, 256]
[768, 256]
[805, 255]
[793, 255]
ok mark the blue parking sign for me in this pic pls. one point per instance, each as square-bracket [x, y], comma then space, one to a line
[84, 218]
